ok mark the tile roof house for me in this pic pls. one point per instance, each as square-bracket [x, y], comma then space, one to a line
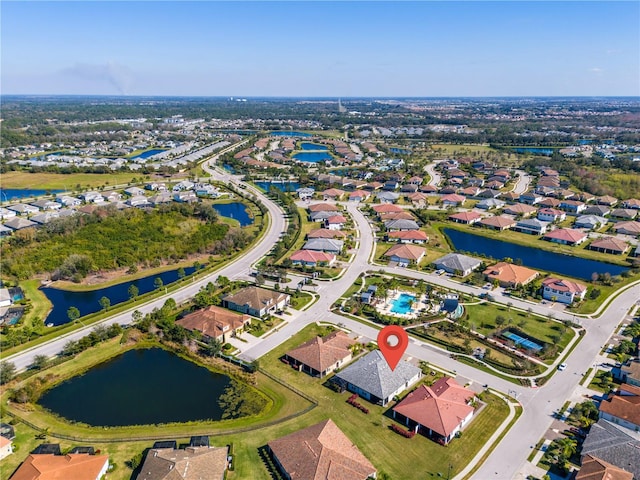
[74, 466]
[408, 236]
[563, 291]
[520, 209]
[624, 213]
[6, 447]
[404, 215]
[312, 258]
[256, 301]
[320, 451]
[402, 253]
[439, 411]
[386, 208]
[468, 218]
[595, 469]
[358, 196]
[550, 202]
[372, 379]
[457, 264]
[336, 222]
[592, 222]
[566, 236]
[607, 200]
[452, 200]
[600, 210]
[627, 228]
[551, 215]
[332, 194]
[623, 407]
[401, 224]
[497, 223]
[324, 245]
[322, 355]
[614, 445]
[214, 322]
[325, 233]
[631, 203]
[630, 373]
[191, 463]
[509, 275]
[322, 207]
[611, 245]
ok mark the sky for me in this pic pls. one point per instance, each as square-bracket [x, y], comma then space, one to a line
[321, 49]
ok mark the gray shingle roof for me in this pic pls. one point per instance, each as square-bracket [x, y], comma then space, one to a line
[372, 374]
[614, 445]
[457, 261]
[324, 245]
[402, 224]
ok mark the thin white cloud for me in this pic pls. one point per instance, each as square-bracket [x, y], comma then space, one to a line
[118, 76]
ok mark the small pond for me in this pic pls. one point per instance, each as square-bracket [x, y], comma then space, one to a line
[312, 157]
[9, 194]
[531, 257]
[282, 186]
[236, 210]
[139, 387]
[313, 146]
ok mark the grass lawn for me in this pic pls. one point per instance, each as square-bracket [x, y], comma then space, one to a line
[591, 305]
[596, 382]
[299, 300]
[40, 304]
[305, 227]
[260, 327]
[464, 148]
[60, 181]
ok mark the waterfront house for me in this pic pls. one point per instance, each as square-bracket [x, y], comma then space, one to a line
[322, 355]
[497, 223]
[510, 275]
[371, 378]
[457, 264]
[408, 236]
[45, 205]
[186, 196]
[190, 463]
[438, 411]
[563, 291]
[312, 258]
[404, 254]
[590, 222]
[305, 193]
[566, 236]
[215, 322]
[531, 226]
[610, 245]
[551, 215]
[256, 301]
[320, 451]
[467, 218]
[76, 466]
[627, 228]
[401, 225]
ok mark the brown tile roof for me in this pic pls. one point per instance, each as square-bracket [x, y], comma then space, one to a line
[512, 274]
[498, 222]
[321, 452]
[625, 407]
[322, 207]
[441, 407]
[191, 463]
[550, 202]
[386, 208]
[410, 252]
[453, 198]
[417, 197]
[404, 215]
[566, 234]
[409, 235]
[325, 233]
[465, 216]
[609, 243]
[595, 469]
[57, 467]
[333, 192]
[323, 352]
[631, 227]
[337, 220]
[520, 209]
[213, 321]
[563, 285]
[312, 256]
[256, 297]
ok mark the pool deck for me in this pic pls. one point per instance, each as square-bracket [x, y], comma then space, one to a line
[418, 305]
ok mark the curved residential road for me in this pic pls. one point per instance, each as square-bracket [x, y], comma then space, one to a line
[523, 182]
[239, 268]
[435, 177]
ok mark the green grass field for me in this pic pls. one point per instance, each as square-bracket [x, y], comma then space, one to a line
[60, 181]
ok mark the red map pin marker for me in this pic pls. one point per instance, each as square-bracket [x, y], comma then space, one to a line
[392, 342]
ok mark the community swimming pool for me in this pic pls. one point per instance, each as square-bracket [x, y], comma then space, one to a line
[402, 304]
[518, 340]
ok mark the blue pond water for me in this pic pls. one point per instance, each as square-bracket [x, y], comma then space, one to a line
[312, 146]
[88, 302]
[518, 340]
[282, 186]
[236, 210]
[284, 133]
[402, 304]
[535, 150]
[149, 153]
[530, 257]
[401, 151]
[139, 387]
[312, 157]
[8, 194]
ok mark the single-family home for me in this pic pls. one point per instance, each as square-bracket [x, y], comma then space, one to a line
[520, 209]
[319, 451]
[305, 193]
[322, 215]
[408, 236]
[550, 203]
[630, 373]
[599, 210]
[404, 215]
[390, 185]
[215, 322]
[134, 191]
[325, 233]
[408, 188]
[565, 236]
[91, 197]
[623, 407]
[467, 218]
[312, 258]
[631, 203]
[19, 223]
[497, 223]
[371, 378]
[510, 275]
[548, 214]
[332, 194]
[490, 204]
[6, 447]
[45, 217]
[417, 198]
[404, 254]
[387, 197]
[322, 207]
[428, 189]
[489, 193]
[185, 196]
[452, 200]
[206, 190]
[112, 196]
[387, 208]
[335, 222]
[256, 301]
[470, 191]
[624, 213]
[183, 186]
[572, 206]
[532, 226]
[5, 231]
[607, 200]
[322, 355]
[76, 466]
[138, 201]
[511, 197]
[627, 228]
[401, 225]
[160, 198]
[324, 245]
[6, 214]
[438, 411]
[612, 443]
[593, 468]
[590, 222]
[457, 264]
[45, 205]
[68, 201]
[190, 463]
[530, 198]
[563, 291]
[611, 245]
[358, 196]
[494, 183]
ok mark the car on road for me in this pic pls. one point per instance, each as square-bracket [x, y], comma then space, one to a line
[440, 272]
[562, 366]
[487, 286]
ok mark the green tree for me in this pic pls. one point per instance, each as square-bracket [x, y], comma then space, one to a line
[212, 347]
[181, 273]
[133, 291]
[105, 303]
[239, 400]
[7, 372]
[40, 362]
[73, 313]
[136, 316]
[158, 283]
